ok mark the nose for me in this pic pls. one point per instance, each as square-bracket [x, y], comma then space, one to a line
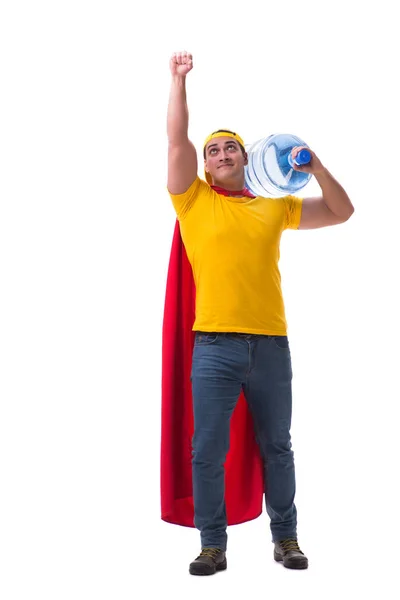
[223, 155]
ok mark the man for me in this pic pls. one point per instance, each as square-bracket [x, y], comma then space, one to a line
[241, 345]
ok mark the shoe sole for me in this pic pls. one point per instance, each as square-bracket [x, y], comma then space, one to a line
[296, 564]
[201, 569]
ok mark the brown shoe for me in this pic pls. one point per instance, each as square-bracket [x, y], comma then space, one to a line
[288, 552]
[208, 562]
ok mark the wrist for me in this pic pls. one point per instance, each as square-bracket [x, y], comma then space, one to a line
[322, 173]
[179, 79]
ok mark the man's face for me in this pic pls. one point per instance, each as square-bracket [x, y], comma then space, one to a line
[224, 160]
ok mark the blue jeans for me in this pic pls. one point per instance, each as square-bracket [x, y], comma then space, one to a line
[223, 365]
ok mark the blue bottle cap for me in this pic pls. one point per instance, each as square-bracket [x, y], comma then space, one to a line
[303, 157]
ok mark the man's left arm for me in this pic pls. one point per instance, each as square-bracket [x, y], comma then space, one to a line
[333, 207]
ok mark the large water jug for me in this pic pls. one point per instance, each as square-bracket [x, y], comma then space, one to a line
[270, 169]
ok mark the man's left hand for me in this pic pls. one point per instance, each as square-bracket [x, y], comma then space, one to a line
[314, 166]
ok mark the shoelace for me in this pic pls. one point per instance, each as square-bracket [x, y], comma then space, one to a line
[289, 545]
[211, 552]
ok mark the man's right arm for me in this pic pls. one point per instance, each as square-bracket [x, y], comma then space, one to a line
[182, 156]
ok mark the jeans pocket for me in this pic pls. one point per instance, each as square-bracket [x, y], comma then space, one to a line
[281, 342]
[203, 339]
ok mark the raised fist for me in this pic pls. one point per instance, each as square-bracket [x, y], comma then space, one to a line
[181, 63]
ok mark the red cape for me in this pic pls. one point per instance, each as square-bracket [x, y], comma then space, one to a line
[244, 482]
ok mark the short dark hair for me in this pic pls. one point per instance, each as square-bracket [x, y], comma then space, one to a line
[225, 131]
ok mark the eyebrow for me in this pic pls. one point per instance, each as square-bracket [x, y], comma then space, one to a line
[228, 142]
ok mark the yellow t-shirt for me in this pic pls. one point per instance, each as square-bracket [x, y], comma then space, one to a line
[232, 244]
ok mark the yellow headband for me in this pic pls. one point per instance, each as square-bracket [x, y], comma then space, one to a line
[218, 134]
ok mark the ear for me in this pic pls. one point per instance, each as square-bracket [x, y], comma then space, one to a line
[246, 161]
[205, 167]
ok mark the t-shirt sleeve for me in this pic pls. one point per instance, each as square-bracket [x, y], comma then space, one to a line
[293, 206]
[183, 202]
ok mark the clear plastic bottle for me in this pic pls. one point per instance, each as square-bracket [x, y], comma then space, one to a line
[270, 169]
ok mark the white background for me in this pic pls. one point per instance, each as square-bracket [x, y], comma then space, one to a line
[85, 232]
